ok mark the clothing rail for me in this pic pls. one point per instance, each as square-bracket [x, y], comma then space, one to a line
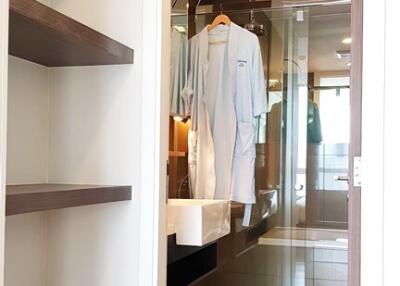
[236, 6]
[329, 87]
[309, 3]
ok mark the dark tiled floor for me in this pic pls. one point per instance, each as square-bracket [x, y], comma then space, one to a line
[264, 265]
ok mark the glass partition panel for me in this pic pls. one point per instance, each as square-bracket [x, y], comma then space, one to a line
[278, 256]
[178, 186]
[295, 105]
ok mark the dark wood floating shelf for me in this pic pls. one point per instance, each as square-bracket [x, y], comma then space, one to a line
[42, 35]
[40, 197]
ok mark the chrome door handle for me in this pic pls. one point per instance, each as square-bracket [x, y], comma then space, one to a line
[341, 178]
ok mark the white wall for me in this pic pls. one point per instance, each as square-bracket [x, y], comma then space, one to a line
[118, 19]
[94, 125]
[94, 245]
[391, 201]
[26, 249]
[27, 161]
[28, 125]
[381, 141]
[95, 122]
[45, 2]
[145, 26]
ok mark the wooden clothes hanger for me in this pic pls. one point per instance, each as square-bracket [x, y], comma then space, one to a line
[220, 19]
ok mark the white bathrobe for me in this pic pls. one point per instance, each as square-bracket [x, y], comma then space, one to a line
[226, 90]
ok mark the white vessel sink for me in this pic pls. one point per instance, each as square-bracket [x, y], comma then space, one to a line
[198, 222]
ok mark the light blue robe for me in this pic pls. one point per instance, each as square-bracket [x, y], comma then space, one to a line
[222, 136]
[178, 73]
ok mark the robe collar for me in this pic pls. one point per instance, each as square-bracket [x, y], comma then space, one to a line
[232, 46]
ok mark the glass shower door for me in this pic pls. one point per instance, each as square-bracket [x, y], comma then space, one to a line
[294, 150]
[274, 255]
[288, 125]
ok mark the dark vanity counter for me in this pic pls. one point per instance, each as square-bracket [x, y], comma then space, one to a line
[189, 263]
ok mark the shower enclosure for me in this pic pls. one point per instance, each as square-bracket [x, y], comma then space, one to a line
[295, 165]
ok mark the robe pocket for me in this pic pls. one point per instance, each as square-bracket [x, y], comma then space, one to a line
[246, 139]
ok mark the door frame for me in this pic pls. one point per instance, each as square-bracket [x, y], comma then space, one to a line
[380, 106]
[3, 124]
[354, 196]
[154, 63]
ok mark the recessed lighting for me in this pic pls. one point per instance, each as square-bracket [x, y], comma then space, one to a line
[178, 118]
[349, 64]
[272, 81]
[346, 41]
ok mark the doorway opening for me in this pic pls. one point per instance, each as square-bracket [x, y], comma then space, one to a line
[303, 143]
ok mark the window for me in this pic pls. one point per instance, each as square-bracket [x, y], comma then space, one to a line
[334, 107]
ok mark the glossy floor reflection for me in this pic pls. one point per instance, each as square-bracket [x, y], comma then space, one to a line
[272, 265]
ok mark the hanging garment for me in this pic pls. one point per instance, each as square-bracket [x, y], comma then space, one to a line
[314, 132]
[226, 91]
[277, 122]
[178, 73]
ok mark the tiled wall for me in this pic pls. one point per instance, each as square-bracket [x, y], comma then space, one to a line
[326, 197]
[326, 267]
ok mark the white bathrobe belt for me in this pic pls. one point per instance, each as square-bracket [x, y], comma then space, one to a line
[247, 215]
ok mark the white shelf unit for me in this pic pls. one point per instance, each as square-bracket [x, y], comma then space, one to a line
[76, 125]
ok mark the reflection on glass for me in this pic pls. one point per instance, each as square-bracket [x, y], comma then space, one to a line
[177, 179]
